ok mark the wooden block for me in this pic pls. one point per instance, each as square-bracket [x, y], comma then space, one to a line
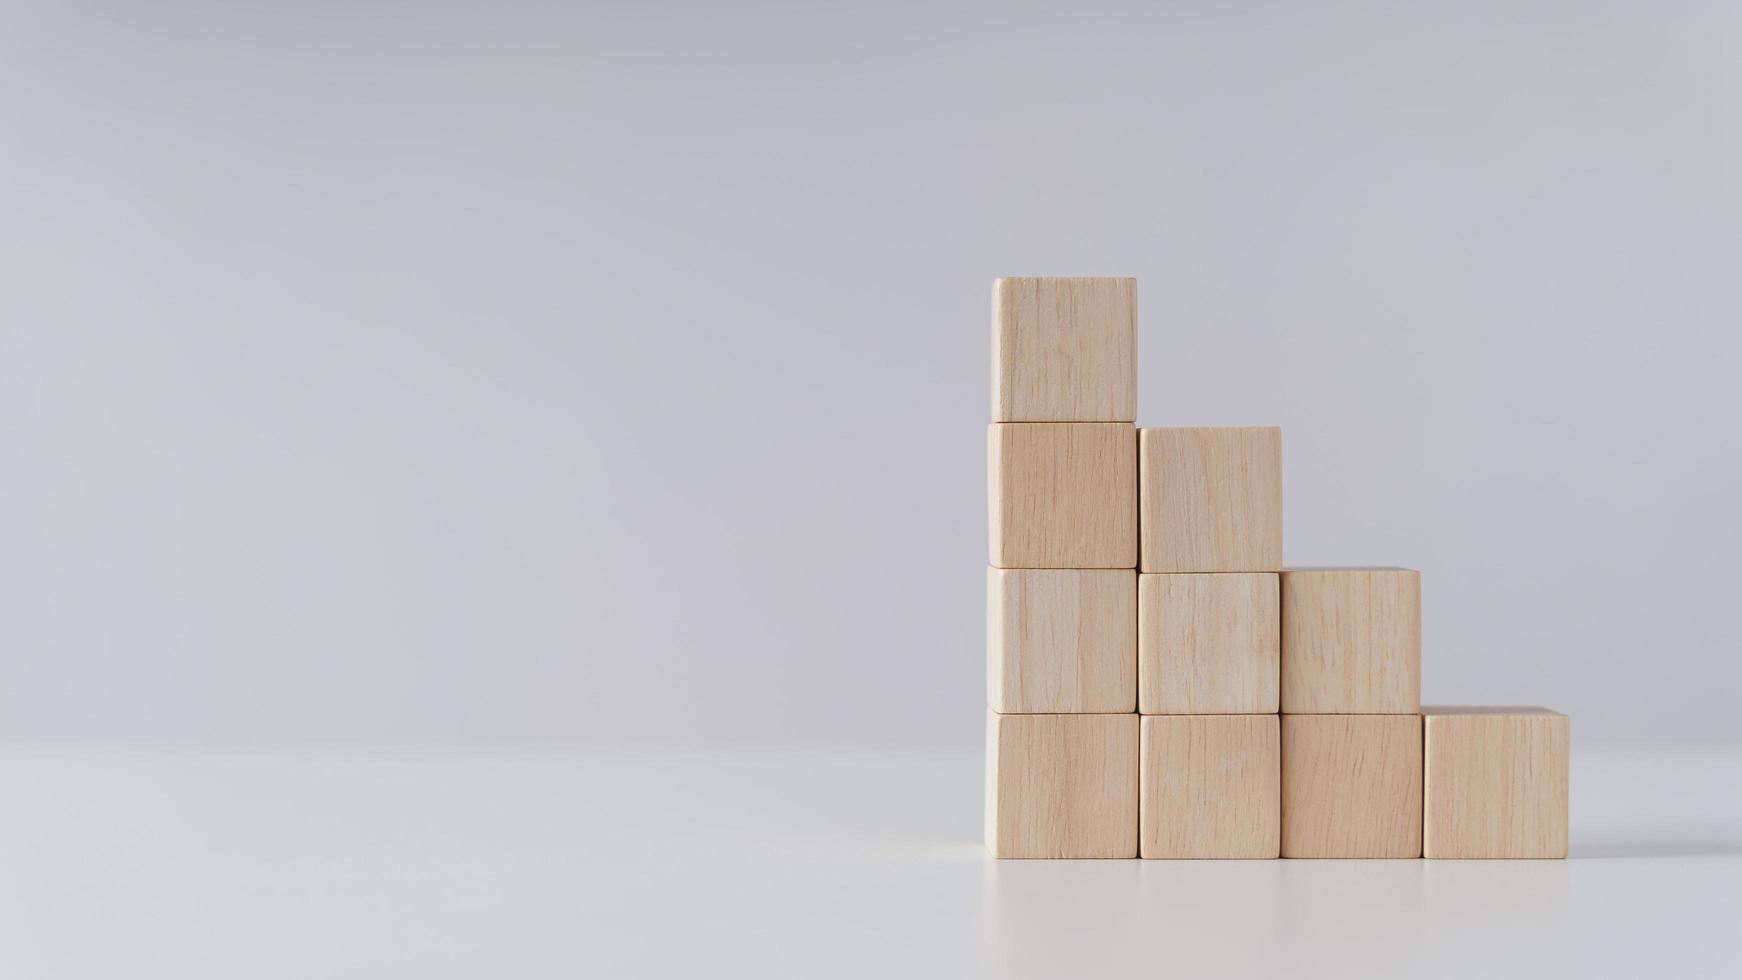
[1211, 500]
[1351, 641]
[1496, 784]
[1211, 787]
[1061, 786]
[1063, 494]
[1061, 640]
[1064, 350]
[1351, 786]
[1207, 644]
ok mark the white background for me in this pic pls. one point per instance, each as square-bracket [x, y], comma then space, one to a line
[618, 372]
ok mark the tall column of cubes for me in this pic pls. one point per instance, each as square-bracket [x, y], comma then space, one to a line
[1161, 686]
[1061, 766]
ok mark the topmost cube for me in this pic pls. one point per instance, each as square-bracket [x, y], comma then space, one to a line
[1064, 350]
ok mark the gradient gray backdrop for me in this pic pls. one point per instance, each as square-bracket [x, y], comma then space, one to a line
[619, 371]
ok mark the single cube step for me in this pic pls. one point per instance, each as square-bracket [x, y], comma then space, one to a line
[1211, 787]
[1063, 494]
[1351, 786]
[1211, 500]
[1064, 350]
[1061, 786]
[1061, 640]
[1207, 644]
[1351, 641]
[1496, 783]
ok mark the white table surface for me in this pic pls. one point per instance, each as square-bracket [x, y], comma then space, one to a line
[347, 861]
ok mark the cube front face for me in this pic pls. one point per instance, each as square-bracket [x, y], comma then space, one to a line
[1351, 786]
[1211, 500]
[1061, 786]
[1496, 783]
[1064, 350]
[1351, 641]
[1061, 640]
[1208, 643]
[1063, 495]
[1211, 787]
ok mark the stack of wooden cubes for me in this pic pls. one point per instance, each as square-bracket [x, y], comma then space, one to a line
[1160, 686]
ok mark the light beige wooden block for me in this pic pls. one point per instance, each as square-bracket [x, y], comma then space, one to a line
[1207, 643]
[1064, 350]
[1351, 641]
[1351, 786]
[1061, 786]
[1063, 494]
[1211, 500]
[1496, 783]
[1211, 787]
[1061, 640]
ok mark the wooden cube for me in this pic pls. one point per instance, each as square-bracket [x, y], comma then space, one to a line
[1061, 640]
[1061, 786]
[1063, 494]
[1496, 783]
[1207, 644]
[1351, 786]
[1211, 787]
[1351, 641]
[1211, 500]
[1064, 350]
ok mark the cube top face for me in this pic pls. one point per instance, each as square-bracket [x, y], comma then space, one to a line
[1351, 641]
[1521, 710]
[1063, 495]
[1064, 350]
[1496, 783]
[1061, 640]
[1208, 643]
[1351, 786]
[1211, 787]
[1211, 500]
[1061, 786]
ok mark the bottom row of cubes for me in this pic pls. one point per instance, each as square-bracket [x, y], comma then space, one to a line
[1447, 783]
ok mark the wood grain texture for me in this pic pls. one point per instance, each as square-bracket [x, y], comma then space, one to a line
[1061, 640]
[1061, 786]
[1351, 641]
[1208, 643]
[1496, 783]
[1211, 787]
[1351, 786]
[1211, 500]
[1064, 350]
[1063, 494]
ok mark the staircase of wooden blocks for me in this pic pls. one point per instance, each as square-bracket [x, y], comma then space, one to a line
[1161, 686]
